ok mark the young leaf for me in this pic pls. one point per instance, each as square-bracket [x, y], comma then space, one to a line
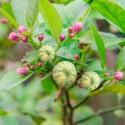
[7, 7]
[51, 17]
[100, 45]
[9, 17]
[32, 12]
[111, 11]
[19, 8]
[48, 84]
[12, 79]
[121, 60]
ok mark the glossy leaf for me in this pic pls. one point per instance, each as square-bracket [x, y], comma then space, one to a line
[119, 88]
[19, 8]
[9, 17]
[100, 45]
[32, 12]
[121, 60]
[111, 11]
[12, 79]
[48, 84]
[30, 56]
[51, 17]
[7, 7]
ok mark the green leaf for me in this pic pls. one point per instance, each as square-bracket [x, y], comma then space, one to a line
[9, 17]
[118, 88]
[48, 84]
[72, 12]
[12, 79]
[7, 7]
[121, 60]
[30, 56]
[19, 8]
[119, 2]
[111, 11]
[32, 12]
[100, 45]
[51, 17]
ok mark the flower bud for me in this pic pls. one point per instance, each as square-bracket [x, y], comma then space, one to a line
[70, 29]
[23, 71]
[62, 37]
[13, 36]
[39, 64]
[77, 27]
[71, 35]
[27, 64]
[89, 81]
[32, 67]
[40, 37]
[24, 39]
[4, 20]
[64, 74]
[22, 29]
[77, 57]
[118, 75]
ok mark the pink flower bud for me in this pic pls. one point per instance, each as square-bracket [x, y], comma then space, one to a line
[24, 39]
[32, 67]
[71, 35]
[118, 75]
[77, 27]
[27, 64]
[22, 29]
[39, 64]
[40, 37]
[62, 37]
[22, 71]
[13, 36]
[70, 29]
[4, 20]
[77, 57]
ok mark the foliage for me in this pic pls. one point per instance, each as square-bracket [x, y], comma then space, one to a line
[52, 20]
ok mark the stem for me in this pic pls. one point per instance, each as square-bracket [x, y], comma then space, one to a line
[70, 108]
[103, 112]
[33, 43]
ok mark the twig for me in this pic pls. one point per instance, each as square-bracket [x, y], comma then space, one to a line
[103, 112]
[59, 94]
[83, 101]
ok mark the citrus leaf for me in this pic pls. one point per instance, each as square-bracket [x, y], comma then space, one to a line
[111, 11]
[100, 45]
[12, 79]
[9, 17]
[51, 17]
[32, 12]
[121, 60]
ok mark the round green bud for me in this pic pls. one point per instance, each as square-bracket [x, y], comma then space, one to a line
[89, 81]
[46, 53]
[64, 74]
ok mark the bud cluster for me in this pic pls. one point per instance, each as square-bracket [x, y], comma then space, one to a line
[78, 26]
[14, 36]
[27, 67]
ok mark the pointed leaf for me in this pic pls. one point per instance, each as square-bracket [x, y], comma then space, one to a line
[100, 45]
[12, 79]
[121, 60]
[32, 12]
[111, 11]
[51, 17]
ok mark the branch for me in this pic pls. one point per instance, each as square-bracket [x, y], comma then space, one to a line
[68, 100]
[103, 112]
[83, 101]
